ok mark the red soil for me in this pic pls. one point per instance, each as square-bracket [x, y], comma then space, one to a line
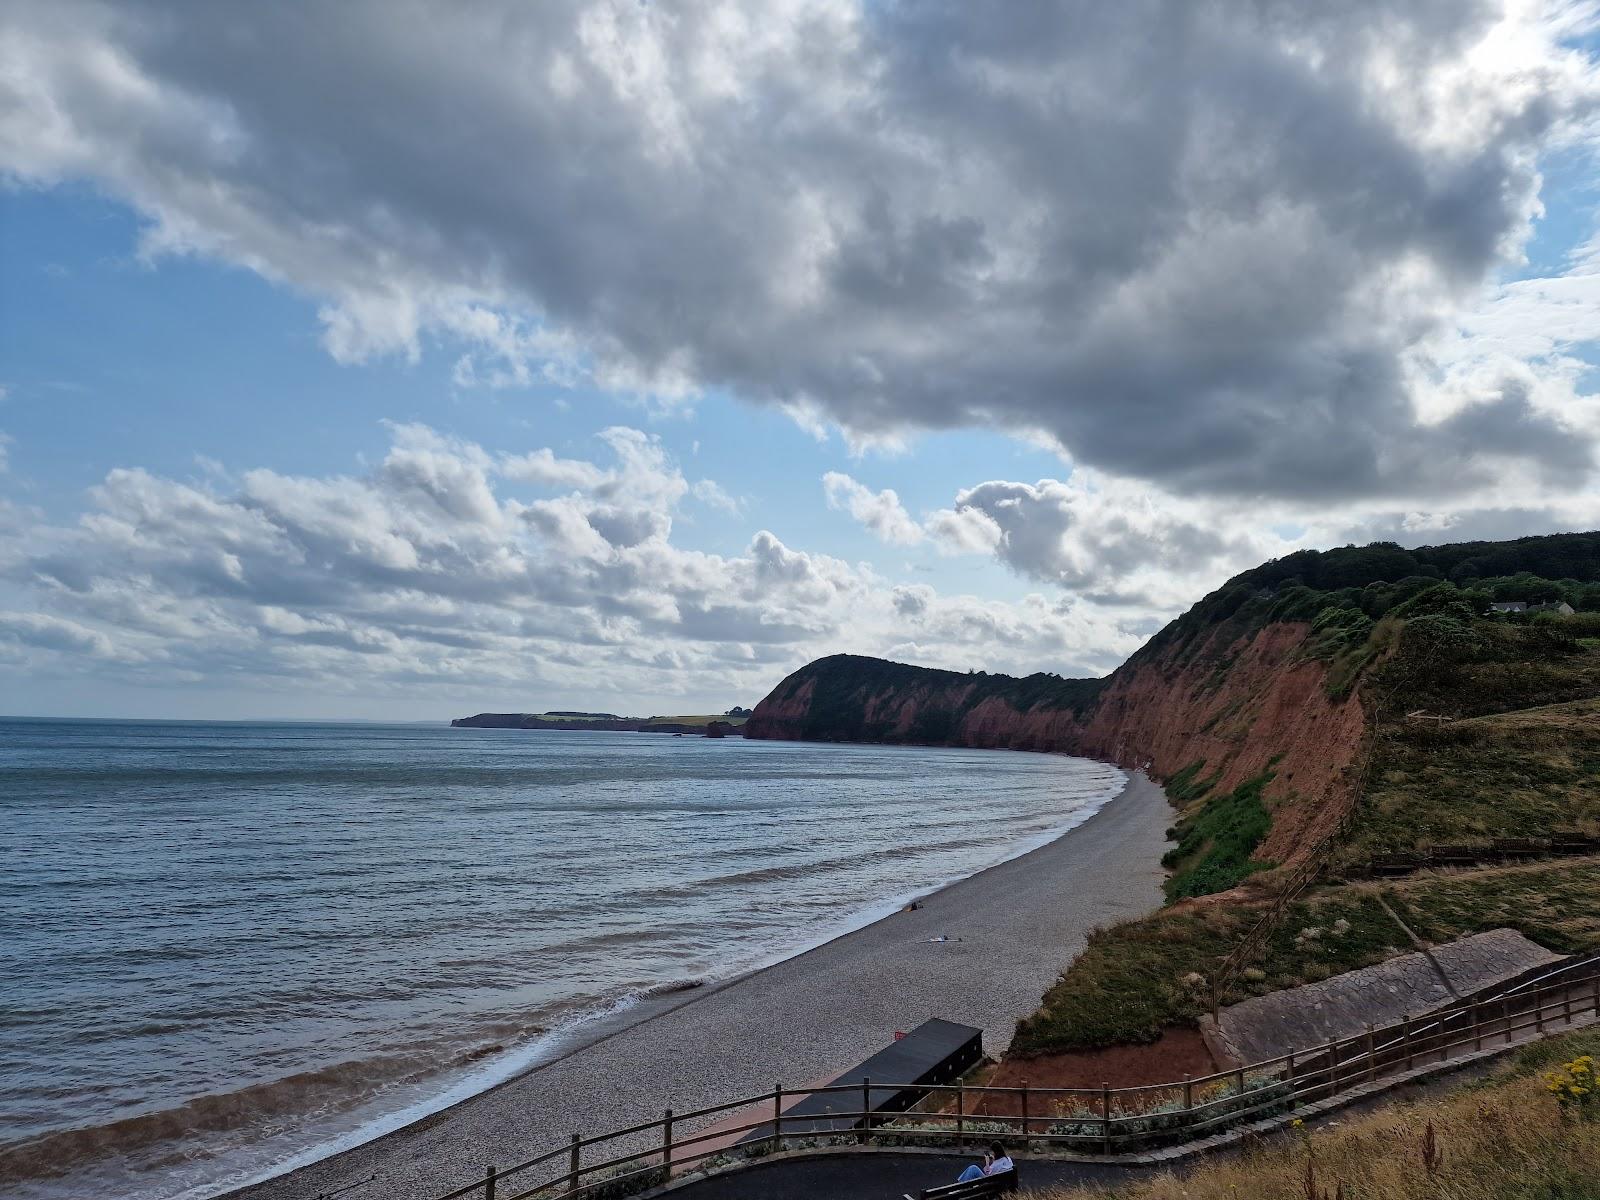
[1179, 1052]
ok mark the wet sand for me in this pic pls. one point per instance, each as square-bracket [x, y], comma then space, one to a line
[1011, 930]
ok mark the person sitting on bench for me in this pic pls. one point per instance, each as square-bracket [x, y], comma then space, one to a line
[994, 1163]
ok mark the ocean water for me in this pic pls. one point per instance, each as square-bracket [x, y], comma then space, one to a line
[226, 949]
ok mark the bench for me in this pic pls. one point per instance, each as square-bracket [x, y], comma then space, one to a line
[972, 1189]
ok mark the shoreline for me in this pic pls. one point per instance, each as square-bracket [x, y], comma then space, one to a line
[810, 1013]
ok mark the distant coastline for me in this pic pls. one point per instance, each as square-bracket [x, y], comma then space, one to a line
[711, 725]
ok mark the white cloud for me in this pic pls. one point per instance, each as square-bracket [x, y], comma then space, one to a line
[712, 494]
[424, 570]
[881, 512]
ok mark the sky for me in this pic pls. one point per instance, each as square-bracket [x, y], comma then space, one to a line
[400, 360]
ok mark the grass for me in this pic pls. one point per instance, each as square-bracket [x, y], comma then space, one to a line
[1527, 773]
[1215, 843]
[1499, 1139]
[1137, 979]
[701, 719]
[1556, 904]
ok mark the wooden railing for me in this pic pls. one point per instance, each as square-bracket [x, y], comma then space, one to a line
[1103, 1120]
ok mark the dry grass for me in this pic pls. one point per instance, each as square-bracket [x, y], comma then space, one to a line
[1531, 772]
[1503, 1139]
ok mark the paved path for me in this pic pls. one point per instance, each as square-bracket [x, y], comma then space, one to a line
[886, 1176]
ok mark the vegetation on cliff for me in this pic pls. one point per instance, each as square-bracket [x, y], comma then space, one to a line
[1216, 836]
[714, 725]
[844, 690]
[1136, 979]
[1372, 694]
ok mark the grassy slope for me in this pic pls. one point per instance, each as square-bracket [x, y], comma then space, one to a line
[1524, 773]
[1216, 835]
[1499, 1139]
[699, 719]
[1130, 982]
[1520, 758]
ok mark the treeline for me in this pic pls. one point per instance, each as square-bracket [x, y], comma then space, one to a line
[845, 686]
[1374, 580]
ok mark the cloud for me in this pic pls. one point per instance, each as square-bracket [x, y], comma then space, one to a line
[53, 633]
[881, 512]
[1105, 540]
[712, 494]
[1212, 247]
[431, 569]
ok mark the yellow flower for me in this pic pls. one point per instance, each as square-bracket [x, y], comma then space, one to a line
[1297, 1122]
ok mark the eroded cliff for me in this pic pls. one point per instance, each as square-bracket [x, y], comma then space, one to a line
[1243, 702]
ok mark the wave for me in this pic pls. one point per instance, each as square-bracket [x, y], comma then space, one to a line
[264, 1108]
[307, 1093]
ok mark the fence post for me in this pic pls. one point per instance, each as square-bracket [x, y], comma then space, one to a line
[1027, 1142]
[666, 1141]
[1505, 1015]
[1405, 1036]
[1596, 998]
[1188, 1092]
[1538, 1010]
[488, 1184]
[1372, 1055]
[1105, 1116]
[1238, 1082]
[961, 1115]
[1477, 1027]
[866, 1110]
[572, 1164]
[777, 1118]
[1566, 1003]
[1333, 1064]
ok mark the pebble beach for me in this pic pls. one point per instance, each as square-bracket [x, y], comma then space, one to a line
[981, 952]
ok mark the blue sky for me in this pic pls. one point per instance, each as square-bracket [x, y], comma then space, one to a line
[1005, 381]
[113, 361]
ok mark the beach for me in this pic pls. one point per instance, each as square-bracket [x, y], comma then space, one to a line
[1007, 933]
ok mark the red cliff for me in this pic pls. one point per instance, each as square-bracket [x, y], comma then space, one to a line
[1243, 701]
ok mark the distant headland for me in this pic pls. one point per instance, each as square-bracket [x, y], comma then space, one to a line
[713, 725]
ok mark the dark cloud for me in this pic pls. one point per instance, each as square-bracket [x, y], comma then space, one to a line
[1194, 242]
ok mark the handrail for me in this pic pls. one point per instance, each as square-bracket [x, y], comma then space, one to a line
[1105, 1122]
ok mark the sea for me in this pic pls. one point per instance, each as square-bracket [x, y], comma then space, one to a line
[229, 949]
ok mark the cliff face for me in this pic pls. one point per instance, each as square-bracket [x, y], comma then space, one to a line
[1237, 701]
[1243, 706]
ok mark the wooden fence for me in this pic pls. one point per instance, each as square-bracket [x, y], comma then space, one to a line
[1102, 1121]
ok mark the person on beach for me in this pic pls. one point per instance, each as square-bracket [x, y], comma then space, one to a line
[994, 1163]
